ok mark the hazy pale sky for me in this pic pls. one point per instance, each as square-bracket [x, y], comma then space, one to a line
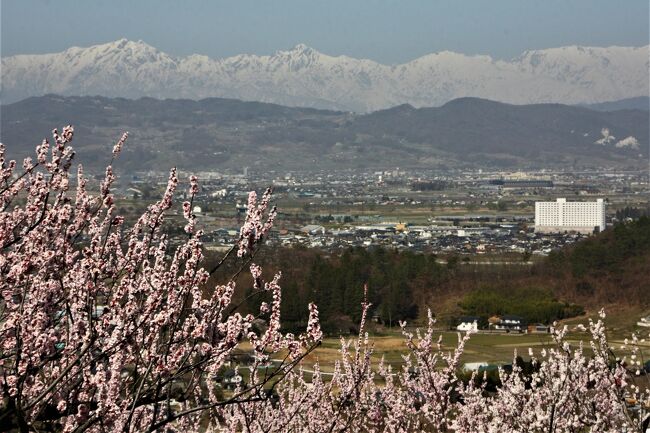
[383, 30]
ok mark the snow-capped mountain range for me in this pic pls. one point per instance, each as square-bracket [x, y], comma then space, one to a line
[303, 76]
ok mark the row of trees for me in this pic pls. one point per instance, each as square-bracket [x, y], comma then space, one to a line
[632, 212]
[105, 328]
[399, 282]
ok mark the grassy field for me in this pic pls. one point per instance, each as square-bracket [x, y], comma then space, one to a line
[491, 348]
[487, 347]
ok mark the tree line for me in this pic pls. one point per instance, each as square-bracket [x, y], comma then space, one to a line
[397, 283]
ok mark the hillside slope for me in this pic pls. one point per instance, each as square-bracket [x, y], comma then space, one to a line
[612, 267]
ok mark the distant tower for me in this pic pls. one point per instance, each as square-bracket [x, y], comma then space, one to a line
[245, 171]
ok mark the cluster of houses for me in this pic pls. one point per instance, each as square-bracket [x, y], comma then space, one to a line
[344, 209]
[442, 237]
[506, 323]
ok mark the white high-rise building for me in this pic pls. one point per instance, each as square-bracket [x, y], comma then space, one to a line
[569, 216]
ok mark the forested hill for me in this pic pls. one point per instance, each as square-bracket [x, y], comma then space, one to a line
[613, 266]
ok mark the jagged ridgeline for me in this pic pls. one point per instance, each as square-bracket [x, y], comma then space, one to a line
[215, 133]
[304, 77]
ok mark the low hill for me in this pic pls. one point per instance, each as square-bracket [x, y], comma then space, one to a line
[221, 134]
[508, 134]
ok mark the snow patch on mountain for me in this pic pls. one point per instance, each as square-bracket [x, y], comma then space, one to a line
[630, 142]
[303, 76]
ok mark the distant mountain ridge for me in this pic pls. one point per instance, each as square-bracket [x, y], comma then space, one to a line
[638, 103]
[217, 134]
[305, 77]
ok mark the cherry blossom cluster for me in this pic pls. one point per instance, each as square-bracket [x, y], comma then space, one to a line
[103, 325]
[255, 227]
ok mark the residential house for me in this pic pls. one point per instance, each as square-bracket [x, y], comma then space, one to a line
[468, 323]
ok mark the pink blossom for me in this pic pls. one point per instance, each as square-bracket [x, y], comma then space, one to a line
[118, 146]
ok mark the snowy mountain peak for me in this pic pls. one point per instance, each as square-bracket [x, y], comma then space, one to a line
[300, 56]
[302, 76]
[122, 52]
[122, 45]
[302, 49]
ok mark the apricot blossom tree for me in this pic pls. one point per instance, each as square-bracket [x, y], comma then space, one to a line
[105, 327]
